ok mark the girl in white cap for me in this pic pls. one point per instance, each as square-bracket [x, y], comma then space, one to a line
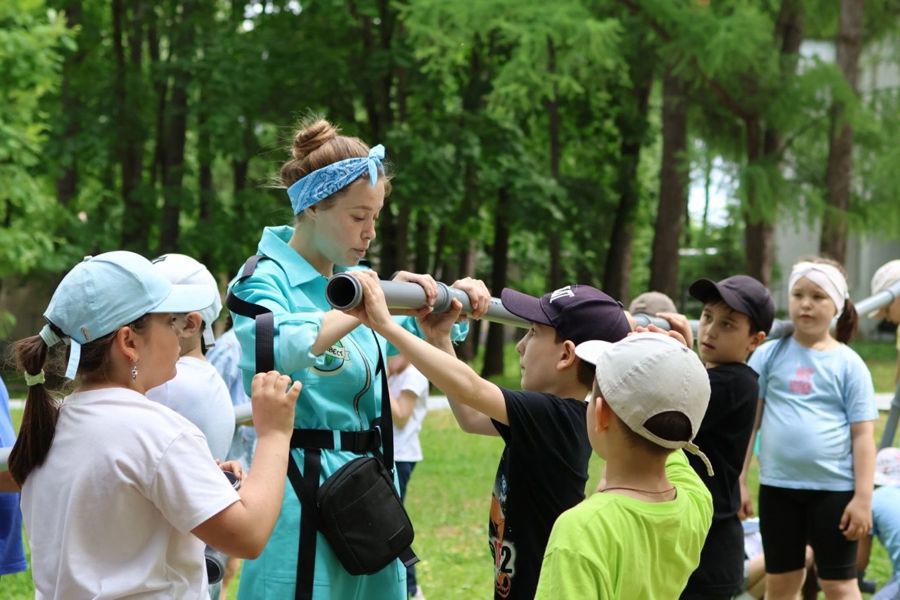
[817, 450]
[120, 493]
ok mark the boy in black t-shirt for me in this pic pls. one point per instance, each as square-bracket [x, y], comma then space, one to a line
[543, 468]
[737, 313]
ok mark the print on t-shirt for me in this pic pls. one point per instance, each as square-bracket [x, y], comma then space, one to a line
[801, 382]
[503, 551]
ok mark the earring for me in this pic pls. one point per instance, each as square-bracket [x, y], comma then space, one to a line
[134, 372]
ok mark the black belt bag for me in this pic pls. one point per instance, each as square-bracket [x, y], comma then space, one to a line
[361, 516]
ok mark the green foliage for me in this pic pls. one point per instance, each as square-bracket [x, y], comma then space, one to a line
[31, 41]
[538, 100]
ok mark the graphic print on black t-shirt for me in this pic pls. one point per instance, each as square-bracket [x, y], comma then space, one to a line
[502, 550]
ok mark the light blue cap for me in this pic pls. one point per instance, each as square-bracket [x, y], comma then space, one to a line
[108, 291]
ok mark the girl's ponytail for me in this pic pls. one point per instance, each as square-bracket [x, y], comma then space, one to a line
[847, 323]
[41, 411]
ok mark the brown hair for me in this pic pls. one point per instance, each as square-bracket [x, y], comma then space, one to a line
[318, 144]
[41, 407]
[670, 425]
[848, 320]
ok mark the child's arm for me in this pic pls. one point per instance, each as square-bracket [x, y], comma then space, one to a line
[857, 518]
[469, 419]
[243, 529]
[746, 510]
[402, 407]
[7, 483]
[437, 363]
[680, 324]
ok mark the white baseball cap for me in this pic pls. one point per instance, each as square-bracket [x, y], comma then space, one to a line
[181, 269]
[647, 374]
[108, 291]
[886, 275]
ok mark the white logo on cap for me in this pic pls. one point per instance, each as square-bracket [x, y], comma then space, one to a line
[564, 292]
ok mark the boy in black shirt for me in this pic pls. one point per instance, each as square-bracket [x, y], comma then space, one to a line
[543, 469]
[737, 313]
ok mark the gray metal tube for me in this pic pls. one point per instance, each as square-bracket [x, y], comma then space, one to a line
[344, 292]
[890, 426]
[784, 327]
[401, 295]
[780, 327]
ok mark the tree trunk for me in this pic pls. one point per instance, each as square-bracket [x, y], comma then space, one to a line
[493, 350]
[840, 152]
[631, 121]
[556, 274]
[401, 256]
[206, 194]
[439, 264]
[176, 131]
[422, 239]
[129, 144]
[160, 90]
[759, 235]
[67, 182]
[673, 189]
[763, 147]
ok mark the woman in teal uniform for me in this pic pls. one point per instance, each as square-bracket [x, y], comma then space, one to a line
[337, 187]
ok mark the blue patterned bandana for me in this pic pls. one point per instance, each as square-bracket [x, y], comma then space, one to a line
[332, 178]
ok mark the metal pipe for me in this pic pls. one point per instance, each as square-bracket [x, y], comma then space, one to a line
[344, 292]
[890, 426]
[780, 327]
[348, 293]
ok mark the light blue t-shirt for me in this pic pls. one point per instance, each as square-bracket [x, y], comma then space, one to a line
[12, 554]
[886, 522]
[811, 399]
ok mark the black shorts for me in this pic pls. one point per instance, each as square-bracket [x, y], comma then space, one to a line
[790, 519]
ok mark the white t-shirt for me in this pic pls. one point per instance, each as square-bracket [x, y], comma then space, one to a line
[200, 395]
[110, 512]
[406, 439]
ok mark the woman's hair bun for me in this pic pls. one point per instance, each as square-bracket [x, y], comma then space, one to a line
[312, 136]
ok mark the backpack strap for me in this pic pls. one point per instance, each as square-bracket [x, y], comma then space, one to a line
[264, 318]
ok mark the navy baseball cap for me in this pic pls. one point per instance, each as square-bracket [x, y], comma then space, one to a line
[577, 312]
[741, 293]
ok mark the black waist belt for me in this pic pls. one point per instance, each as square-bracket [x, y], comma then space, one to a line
[306, 486]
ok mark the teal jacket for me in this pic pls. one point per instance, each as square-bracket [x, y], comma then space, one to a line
[340, 392]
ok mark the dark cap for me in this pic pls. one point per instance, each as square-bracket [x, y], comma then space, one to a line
[577, 312]
[741, 293]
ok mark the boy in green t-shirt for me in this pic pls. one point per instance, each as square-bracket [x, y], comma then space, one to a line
[640, 536]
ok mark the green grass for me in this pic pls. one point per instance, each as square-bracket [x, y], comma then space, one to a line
[450, 491]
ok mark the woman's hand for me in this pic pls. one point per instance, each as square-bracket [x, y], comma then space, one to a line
[856, 521]
[428, 285]
[373, 311]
